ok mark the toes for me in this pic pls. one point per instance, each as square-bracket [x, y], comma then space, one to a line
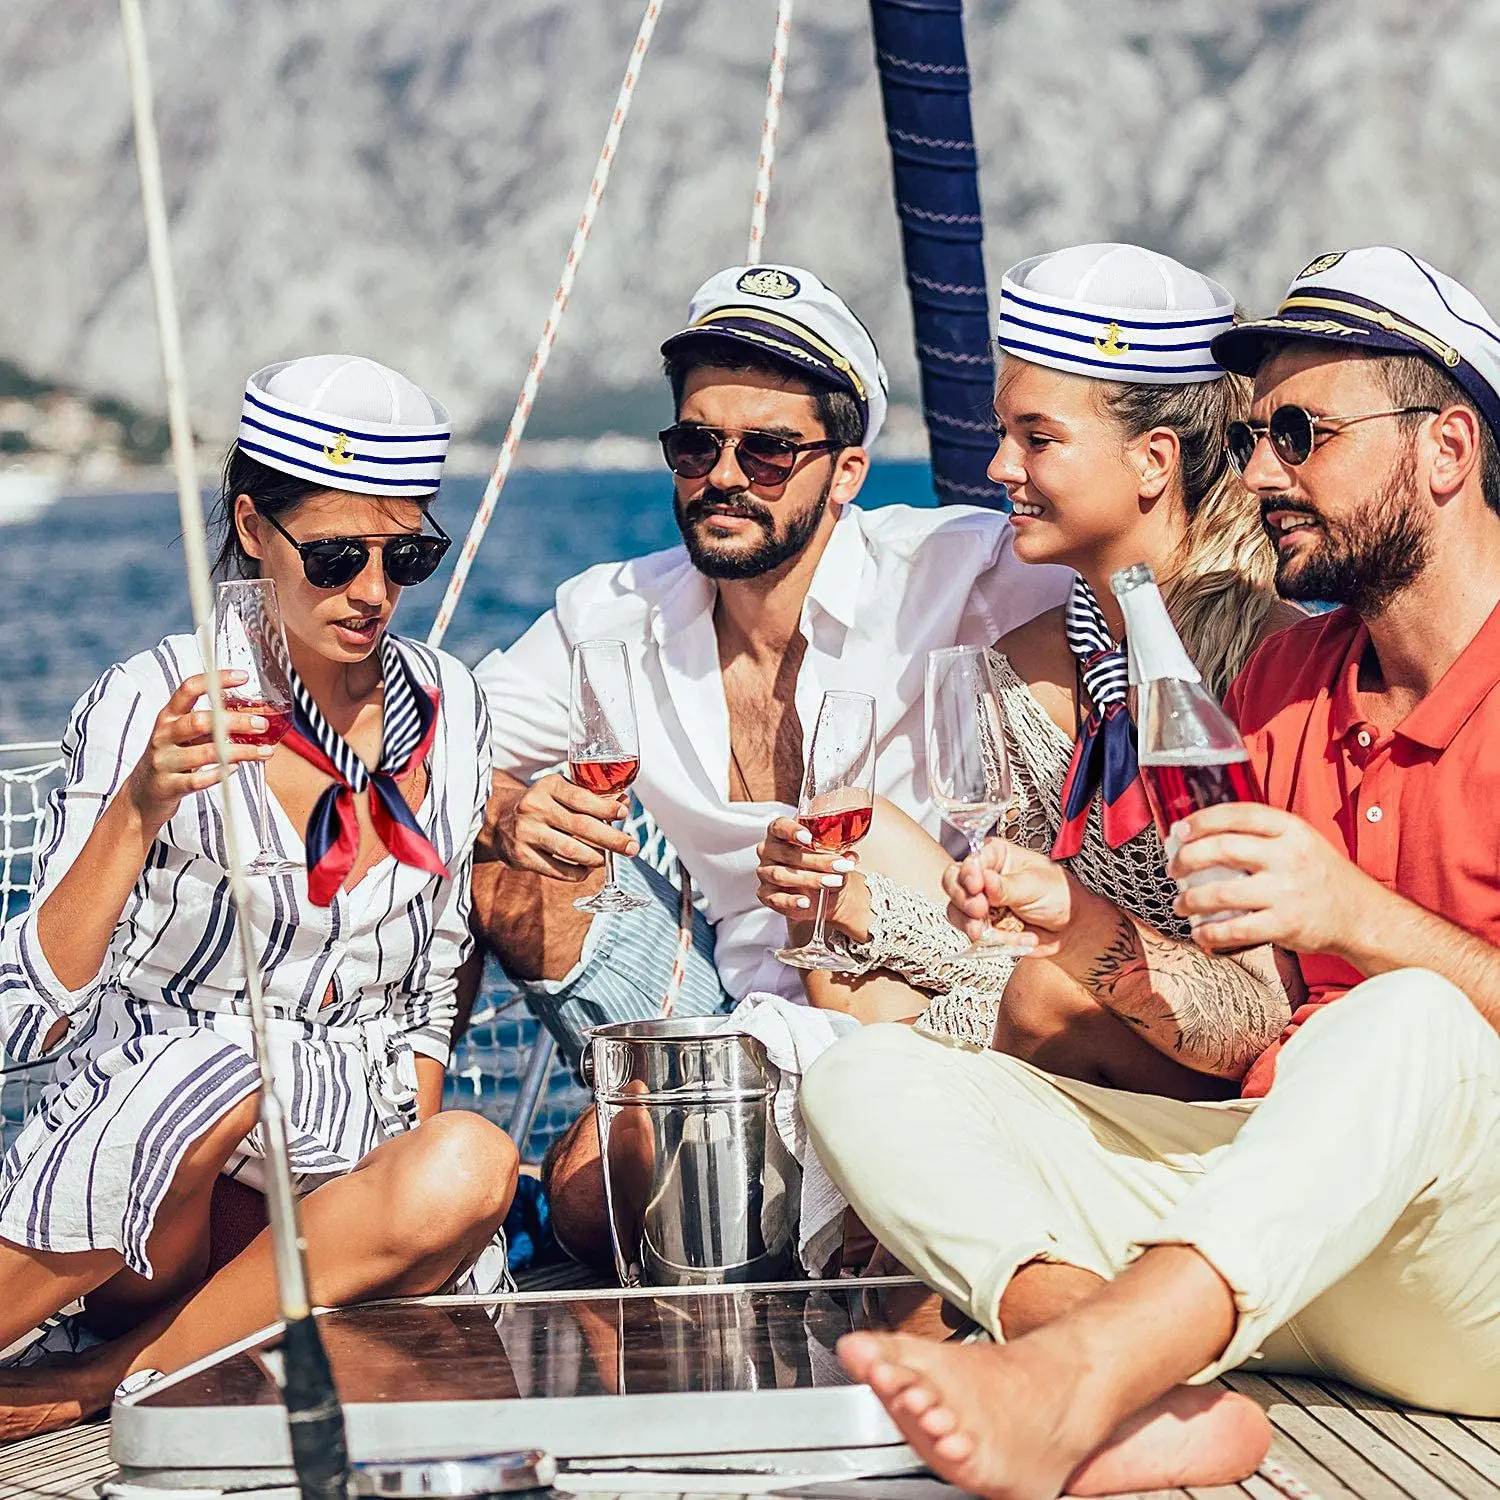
[938, 1421]
[892, 1383]
[917, 1399]
[954, 1448]
[859, 1352]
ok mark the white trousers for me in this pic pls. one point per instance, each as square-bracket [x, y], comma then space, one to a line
[1354, 1212]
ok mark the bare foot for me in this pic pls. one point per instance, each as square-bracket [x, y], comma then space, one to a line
[1008, 1422]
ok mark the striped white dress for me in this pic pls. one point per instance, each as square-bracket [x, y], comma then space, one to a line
[161, 1043]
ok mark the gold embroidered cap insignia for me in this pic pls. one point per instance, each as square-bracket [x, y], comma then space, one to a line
[767, 281]
[1321, 264]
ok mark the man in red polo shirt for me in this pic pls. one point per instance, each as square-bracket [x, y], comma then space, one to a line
[1343, 1216]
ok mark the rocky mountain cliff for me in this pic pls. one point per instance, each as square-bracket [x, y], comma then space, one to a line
[402, 180]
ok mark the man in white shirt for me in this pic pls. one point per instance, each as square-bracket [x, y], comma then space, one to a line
[783, 589]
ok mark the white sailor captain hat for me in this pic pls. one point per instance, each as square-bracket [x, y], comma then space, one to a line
[347, 422]
[1385, 299]
[1114, 312]
[788, 313]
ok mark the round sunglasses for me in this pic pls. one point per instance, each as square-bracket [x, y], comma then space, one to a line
[331, 562]
[691, 452]
[1293, 432]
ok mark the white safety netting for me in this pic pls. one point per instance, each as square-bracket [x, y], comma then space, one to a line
[28, 775]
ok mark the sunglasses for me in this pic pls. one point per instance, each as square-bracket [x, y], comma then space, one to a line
[1293, 432]
[331, 562]
[692, 452]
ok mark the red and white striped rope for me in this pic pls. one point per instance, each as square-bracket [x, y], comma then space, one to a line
[684, 941]
[775, 86]
[524, 403]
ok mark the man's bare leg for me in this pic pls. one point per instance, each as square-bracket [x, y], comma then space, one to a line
[529, 921]
[1091, 1401]
[574, 1178]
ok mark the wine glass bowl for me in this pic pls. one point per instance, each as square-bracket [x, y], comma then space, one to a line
[837, 805]
[603, 747]
[248, 638]
[968, 768]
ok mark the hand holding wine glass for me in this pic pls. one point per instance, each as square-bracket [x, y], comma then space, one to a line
[604, 747]
[179, 758]
[249, 640]
[837, 805]
[968, 768]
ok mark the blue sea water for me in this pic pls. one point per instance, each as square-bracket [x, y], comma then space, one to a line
[95, 579]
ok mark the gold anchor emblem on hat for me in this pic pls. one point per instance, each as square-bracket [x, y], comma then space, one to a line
[1110, 344]
[339, 452]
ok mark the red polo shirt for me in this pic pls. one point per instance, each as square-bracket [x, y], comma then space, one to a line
[1418, 808]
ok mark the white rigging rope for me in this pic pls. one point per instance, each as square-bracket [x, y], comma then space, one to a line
[543, 352]
[775, 86]
[291, 1270]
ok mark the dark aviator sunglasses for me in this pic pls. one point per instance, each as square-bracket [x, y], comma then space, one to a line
[1293, 432]
[691, 452]
[331, 562]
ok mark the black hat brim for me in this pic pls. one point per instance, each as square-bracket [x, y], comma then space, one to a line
[773, 343]
[1243, 349]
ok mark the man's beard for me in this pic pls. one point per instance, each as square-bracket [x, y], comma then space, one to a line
[1363, 562]
[718, 559]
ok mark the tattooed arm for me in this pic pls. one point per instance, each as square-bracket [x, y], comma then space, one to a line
[1212, 1013]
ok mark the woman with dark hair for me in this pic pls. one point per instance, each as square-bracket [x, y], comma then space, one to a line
[133, 1187]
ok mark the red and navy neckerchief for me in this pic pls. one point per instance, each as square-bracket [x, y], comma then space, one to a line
[1104, 755]
[410, 723]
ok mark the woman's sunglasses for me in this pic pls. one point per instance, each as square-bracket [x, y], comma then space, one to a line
[691, 452]
[1293, 432]
[331, 562]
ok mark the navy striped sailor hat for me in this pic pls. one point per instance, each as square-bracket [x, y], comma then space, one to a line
[788, 313]
[346, 422]
[1385, 299]
[1114, 312]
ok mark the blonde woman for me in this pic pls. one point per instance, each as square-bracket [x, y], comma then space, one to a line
[1110, 414]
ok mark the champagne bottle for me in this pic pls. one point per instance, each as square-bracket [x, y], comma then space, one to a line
[1191, 756]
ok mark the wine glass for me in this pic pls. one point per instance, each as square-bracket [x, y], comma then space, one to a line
[837, 804]
[603, 747]
[968, 769]
[248, 638]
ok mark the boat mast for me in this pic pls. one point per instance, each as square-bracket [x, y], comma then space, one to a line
[924, 84]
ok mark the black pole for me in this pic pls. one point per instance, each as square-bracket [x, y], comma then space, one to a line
[315, 1419]
[924, 84]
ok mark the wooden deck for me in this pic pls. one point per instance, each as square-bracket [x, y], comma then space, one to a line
[1331, 1442]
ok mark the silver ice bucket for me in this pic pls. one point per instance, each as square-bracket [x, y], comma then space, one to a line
[700, 1188]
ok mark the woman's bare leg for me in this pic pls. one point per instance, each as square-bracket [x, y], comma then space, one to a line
[1047, 1018]
[38, 1283]
[412, 1214]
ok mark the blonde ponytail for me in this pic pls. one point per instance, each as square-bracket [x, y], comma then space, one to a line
[1223, 582]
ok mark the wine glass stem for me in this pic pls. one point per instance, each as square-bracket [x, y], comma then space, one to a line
[818, 940]
[255, 776]
[609, 869]
[976, 843]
